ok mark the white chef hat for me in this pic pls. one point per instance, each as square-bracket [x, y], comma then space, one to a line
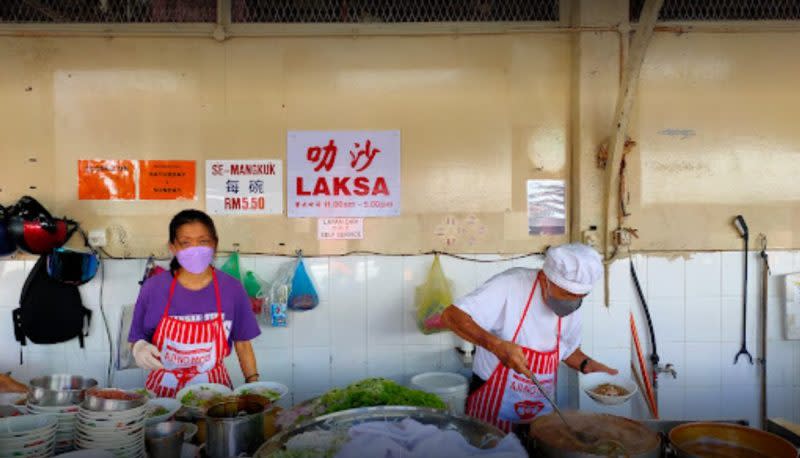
[574, 267]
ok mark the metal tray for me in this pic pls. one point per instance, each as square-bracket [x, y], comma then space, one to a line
[477, 433]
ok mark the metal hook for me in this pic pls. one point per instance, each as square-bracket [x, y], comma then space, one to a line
[743, 351]
[762, 241]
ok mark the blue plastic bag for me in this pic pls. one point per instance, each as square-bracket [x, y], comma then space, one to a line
[303, 295]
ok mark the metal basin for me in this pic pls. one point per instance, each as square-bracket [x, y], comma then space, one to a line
[59, 390]
[713, 440]
[94, 401]
[476, 432]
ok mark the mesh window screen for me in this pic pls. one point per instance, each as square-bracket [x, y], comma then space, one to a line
[723, 10]
[393, 11]
[107, 11]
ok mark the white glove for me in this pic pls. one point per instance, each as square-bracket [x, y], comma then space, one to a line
[147, 355]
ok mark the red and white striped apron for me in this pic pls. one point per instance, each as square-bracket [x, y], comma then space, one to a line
[191, 352]
[509, 397]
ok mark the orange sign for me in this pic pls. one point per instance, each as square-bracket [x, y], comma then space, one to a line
[106, 179]
[166, 180]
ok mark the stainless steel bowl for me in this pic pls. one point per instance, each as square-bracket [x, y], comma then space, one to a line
[59, 390]
[100, 404]
[476, 432]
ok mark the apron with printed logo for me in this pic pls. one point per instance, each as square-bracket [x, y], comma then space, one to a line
[509, 397]
[191, 352]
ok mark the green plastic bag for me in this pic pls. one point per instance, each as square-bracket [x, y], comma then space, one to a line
[231, 266]
[257, 292]
[432, 298]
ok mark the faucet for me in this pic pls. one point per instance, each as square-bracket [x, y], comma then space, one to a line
[466, 354]
[668, 369]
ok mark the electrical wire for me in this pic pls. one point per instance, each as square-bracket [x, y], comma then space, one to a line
[654, 358]
[109, 381]
[356, 253]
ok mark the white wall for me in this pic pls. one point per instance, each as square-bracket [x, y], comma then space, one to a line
[364, 326]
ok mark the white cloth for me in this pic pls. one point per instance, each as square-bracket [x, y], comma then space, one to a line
[411, 439]
[497, 307]
[575, 267]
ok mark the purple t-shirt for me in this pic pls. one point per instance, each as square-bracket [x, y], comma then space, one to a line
[237, 316]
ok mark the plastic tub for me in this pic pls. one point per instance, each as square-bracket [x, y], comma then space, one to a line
[449, 386]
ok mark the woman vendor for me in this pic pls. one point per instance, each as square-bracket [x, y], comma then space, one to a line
[187, 320]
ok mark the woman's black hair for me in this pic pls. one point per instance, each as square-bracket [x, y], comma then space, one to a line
[187, 217]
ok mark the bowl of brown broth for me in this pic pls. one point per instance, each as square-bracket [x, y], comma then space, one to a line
[608, 389]
[722, 440]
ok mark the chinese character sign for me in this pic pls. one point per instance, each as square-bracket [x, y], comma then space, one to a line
[244, 187]
[343, 173]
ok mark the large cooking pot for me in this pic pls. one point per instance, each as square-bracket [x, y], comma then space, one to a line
[719, 440]
[235, 426]
[551, 438]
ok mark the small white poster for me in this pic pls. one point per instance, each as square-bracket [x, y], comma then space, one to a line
[340, 229]
[546, 207]
[244, 187]
[351, 174]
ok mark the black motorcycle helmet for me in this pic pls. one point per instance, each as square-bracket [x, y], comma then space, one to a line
[34, 230]
[7, 244]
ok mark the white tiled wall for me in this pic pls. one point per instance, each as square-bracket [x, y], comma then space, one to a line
[364, 326]
[696, 303]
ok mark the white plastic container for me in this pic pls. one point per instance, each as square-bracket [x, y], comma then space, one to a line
[451, 387]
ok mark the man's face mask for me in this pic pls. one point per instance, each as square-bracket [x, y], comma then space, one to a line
[561, 307]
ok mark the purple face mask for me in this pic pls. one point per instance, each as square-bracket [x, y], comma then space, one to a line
[195, 259]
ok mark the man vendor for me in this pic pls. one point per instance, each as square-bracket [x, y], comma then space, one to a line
[523, 322]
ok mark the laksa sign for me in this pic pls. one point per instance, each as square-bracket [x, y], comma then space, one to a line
[343, 173]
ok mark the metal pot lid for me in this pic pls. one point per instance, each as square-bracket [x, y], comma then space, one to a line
[633, 436]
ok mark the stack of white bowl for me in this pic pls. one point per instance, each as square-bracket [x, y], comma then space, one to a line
[65, 434]
[111, 424]
[28, 436]
[59, 395]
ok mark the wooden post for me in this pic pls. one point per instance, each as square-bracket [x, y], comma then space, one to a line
[625, 98]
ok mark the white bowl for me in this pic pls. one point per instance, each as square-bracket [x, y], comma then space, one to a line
[28, 444]
[12, 411]
[110, 442]
[26, 425]
[72, 409]
[138, 412]
[212, 387]
[594, 380]
[253, 388]
[9, 399]
[87, 454]
[172, 406]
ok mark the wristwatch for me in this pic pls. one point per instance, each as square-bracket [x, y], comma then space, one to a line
[582, 367]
